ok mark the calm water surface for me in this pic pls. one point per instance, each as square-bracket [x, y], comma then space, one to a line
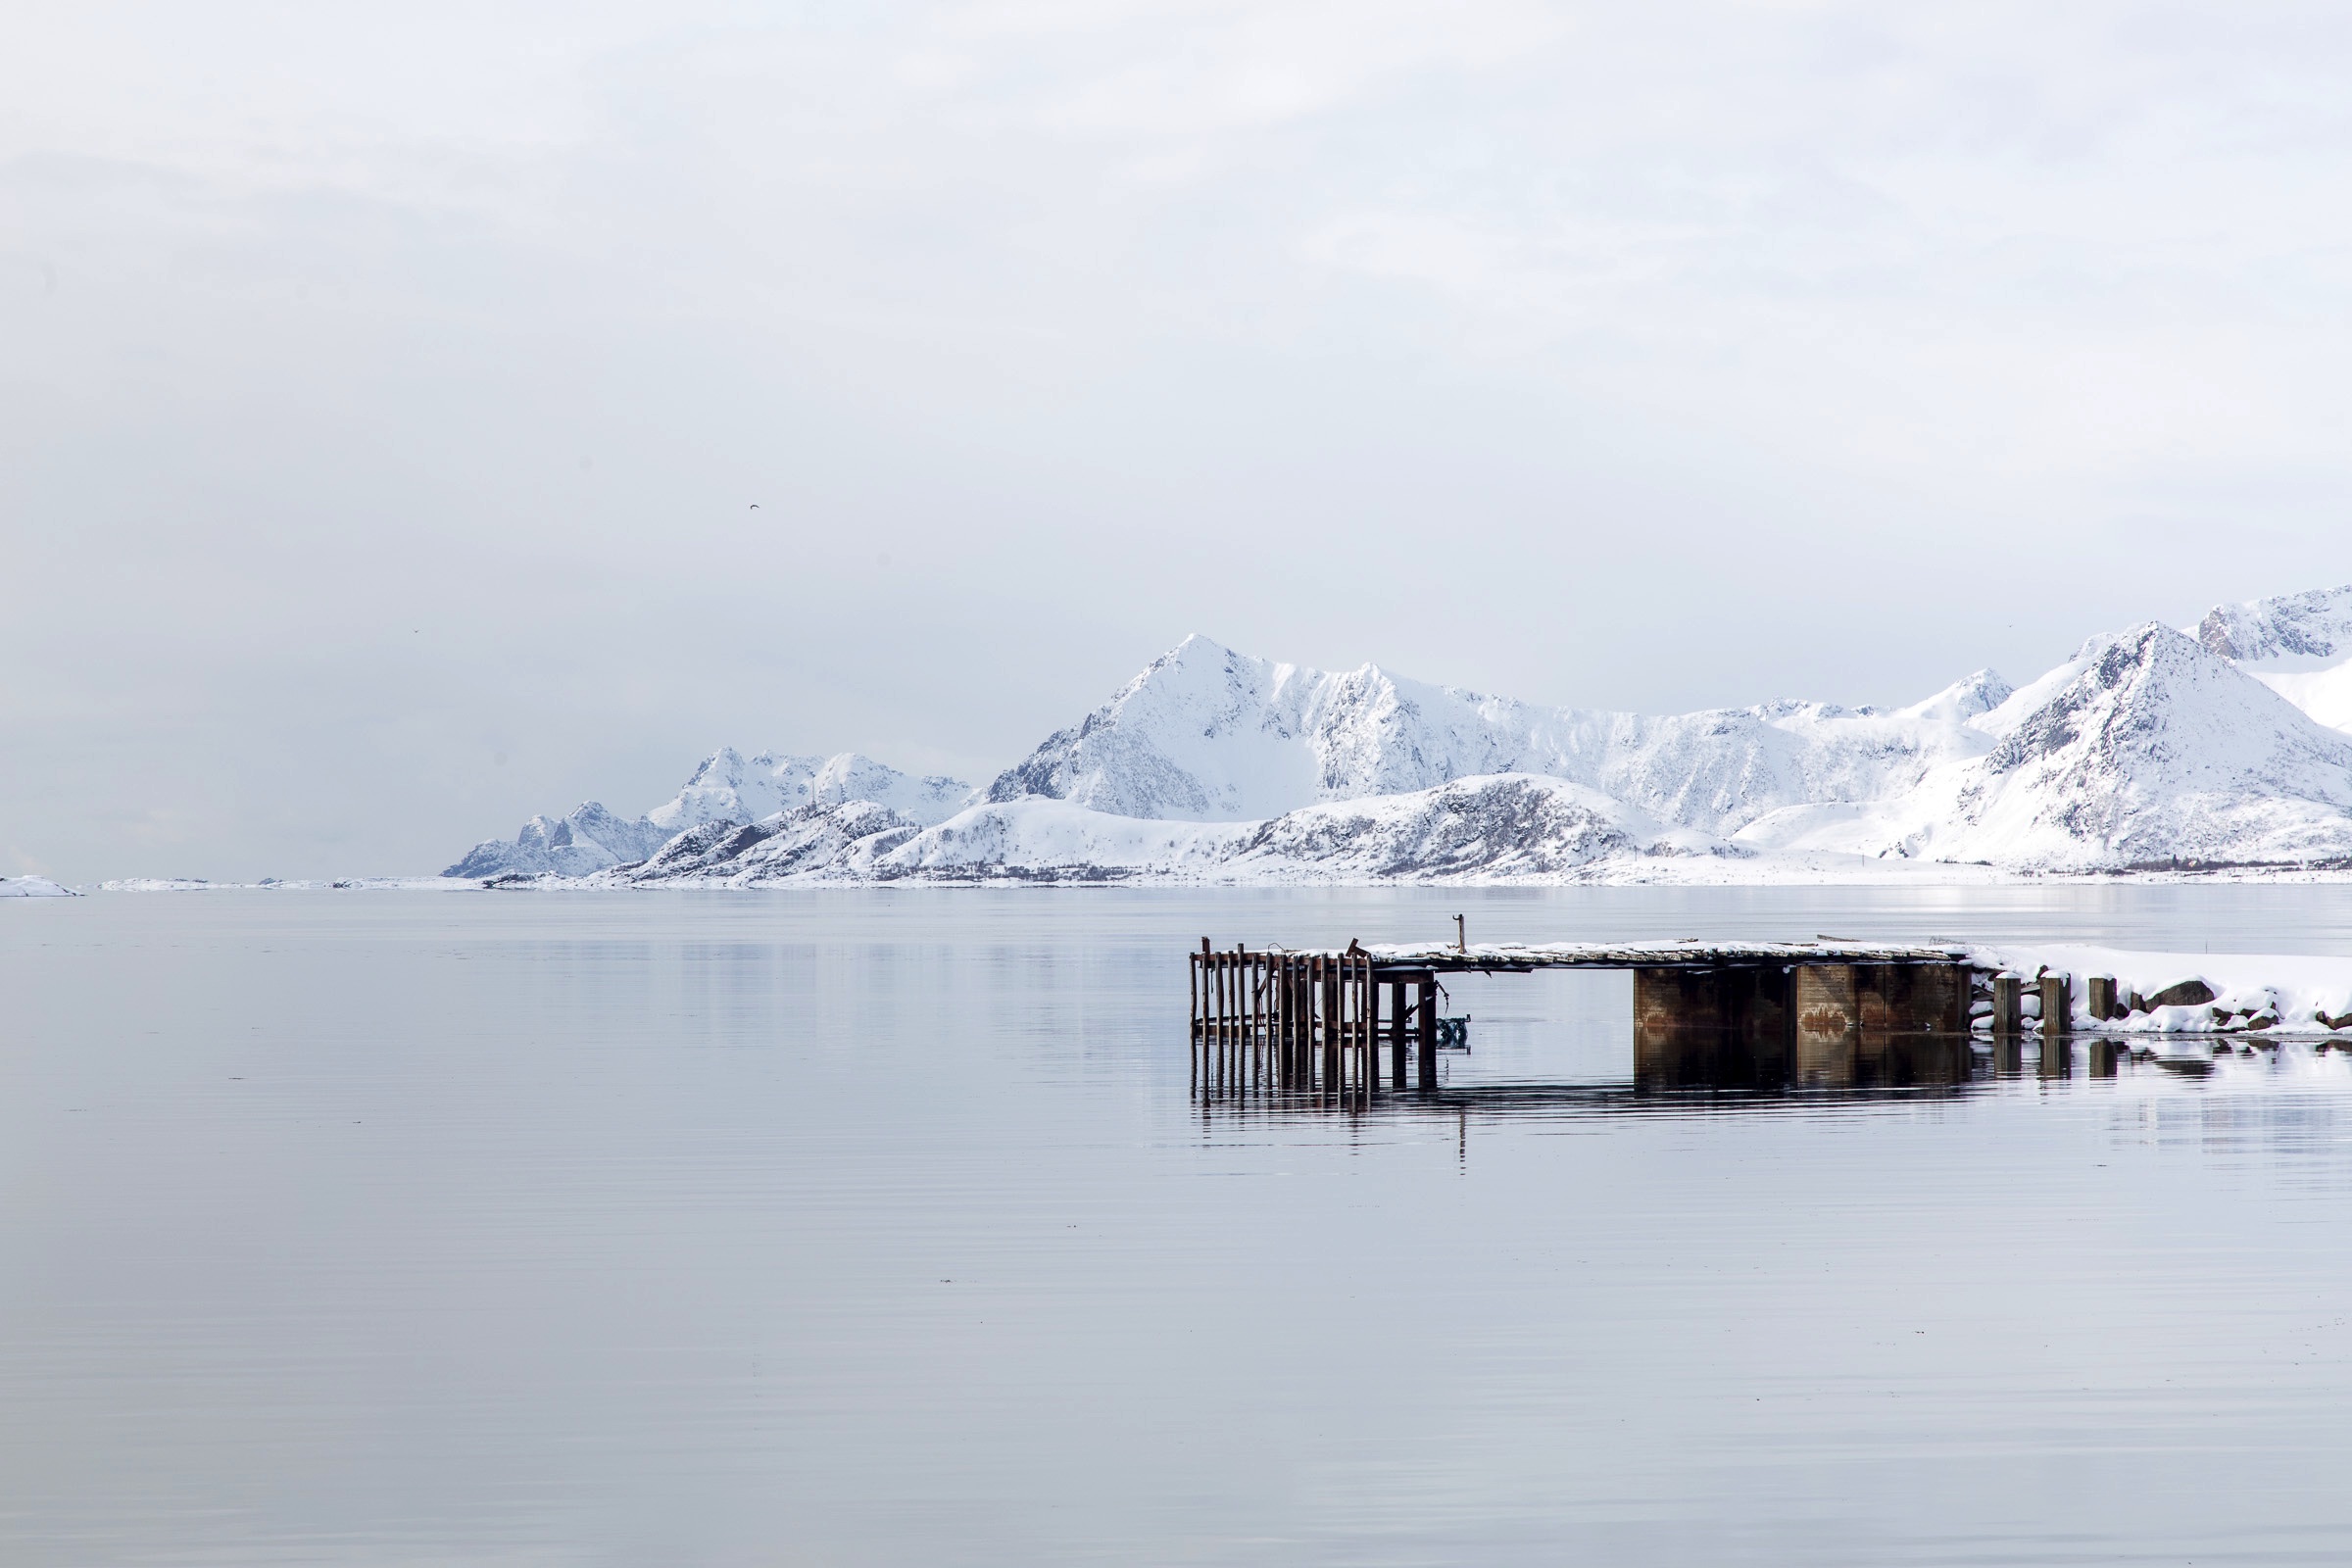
[370, 1228]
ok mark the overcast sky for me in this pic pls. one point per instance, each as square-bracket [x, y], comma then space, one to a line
[384, 398]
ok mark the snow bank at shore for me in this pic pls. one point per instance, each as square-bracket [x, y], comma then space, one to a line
[2191, 993]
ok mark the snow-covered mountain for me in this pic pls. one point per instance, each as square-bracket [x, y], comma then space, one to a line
[728, 789]
[2300, 646]
[1505, 827]
[587, 838]
[1207, 734]
[2218, 746]
[2144, 750]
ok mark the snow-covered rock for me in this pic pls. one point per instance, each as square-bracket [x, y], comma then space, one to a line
[2307, 625]
[34, 886]
[1498, 828]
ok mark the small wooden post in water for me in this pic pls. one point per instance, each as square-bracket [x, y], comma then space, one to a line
[1216, 963]
[2057, 1007]
[2102, 996]
[1331, 1024]
[1426, 1052]
[1257, 1017]
[2008, 1003]
[1298, 1025]
[1396, 1033]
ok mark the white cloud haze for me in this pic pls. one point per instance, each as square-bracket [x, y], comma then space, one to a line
[384, 395]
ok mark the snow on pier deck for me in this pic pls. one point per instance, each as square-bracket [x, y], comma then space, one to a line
[1689, 953]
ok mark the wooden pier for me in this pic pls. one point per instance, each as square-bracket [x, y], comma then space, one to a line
[1313, 1023]
[1308, 1023]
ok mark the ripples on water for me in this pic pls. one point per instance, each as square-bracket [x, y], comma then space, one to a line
[885, 1226]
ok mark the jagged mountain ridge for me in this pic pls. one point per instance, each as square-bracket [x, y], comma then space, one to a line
[1506, 827]
[1208, 734]
[729, 789]
[2144, 750]
[2299, 645]
[2152, 747]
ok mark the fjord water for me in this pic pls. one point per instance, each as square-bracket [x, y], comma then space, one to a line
[883, 1226]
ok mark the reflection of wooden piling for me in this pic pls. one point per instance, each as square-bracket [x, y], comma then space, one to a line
[2057, 1054]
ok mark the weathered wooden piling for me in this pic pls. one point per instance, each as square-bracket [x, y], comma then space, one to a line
[1396, 1034]
[2100, 998]
[1425, 1052]
[2057, 1006]
[2008, 1004]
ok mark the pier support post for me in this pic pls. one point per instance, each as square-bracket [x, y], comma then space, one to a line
[2008, 1004]
[1396, 1018]
[2102, 998]
[1426, 1043]
[1331, 1025]
[2057, 1007]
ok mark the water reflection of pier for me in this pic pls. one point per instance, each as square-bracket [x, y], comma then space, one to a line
[1687, 1075]
[1675, 1057]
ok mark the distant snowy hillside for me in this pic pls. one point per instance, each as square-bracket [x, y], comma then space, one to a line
[1502, 828]
[587, 839]
[728, 789]
[2150, 748]
[2145, 750]
[2299, 645]
[1207, 734]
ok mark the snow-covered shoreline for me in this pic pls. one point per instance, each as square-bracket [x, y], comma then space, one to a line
[2246, 994]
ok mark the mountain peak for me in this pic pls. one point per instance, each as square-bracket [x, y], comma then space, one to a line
[1969, 697]
[2314, 625]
